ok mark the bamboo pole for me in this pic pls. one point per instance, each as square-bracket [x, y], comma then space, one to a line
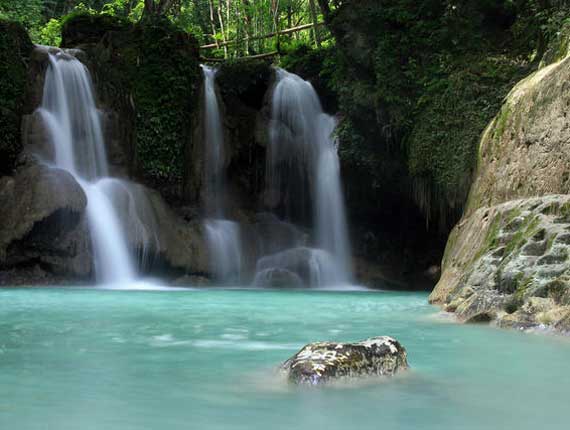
[249, 57]
[265, 36]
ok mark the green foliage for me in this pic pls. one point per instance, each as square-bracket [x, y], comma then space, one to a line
[164, 87]
[50, 34]
[26, 12]
[419, 81]
[236, 20]
[451, 114]
[15, 47]
[152, 66]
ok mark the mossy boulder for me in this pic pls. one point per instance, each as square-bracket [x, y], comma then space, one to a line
[15, 49]
[322, 362]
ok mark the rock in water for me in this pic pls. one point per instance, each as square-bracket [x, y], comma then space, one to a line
[322, 362]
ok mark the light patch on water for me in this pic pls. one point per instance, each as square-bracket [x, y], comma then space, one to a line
[229, 336]
[441, 317]
[244, 346]
[142, 285]
[164, 338]
[237, 330]
[346, 287]
[229, 341]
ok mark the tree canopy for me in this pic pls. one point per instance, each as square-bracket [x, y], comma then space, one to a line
[231, 28]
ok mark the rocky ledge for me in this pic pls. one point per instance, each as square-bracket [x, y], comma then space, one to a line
[321, 362]
[509, 264]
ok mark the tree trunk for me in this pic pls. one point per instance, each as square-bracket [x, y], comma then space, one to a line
[248, 30]
[156, 7]
[315, 19]
[213, 23]
[325, 8]
[275, 13]
[222, 29]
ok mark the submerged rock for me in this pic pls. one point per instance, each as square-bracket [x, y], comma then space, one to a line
[321, 362]
[192, 281]
[303, 266]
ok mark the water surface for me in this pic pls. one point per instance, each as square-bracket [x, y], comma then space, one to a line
[95, 359]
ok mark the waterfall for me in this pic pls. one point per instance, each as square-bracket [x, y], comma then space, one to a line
[73, 123]
[222, 236]
[302, 179]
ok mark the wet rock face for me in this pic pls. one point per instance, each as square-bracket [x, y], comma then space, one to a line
[243, 89]
[510, 264]
[43, 222]
[322, 362]
[524, 152]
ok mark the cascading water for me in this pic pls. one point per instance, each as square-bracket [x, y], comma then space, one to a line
[214, 146]
[222, 236]
[72, 119]
[330, 216]
[303, 175]
[73, 124]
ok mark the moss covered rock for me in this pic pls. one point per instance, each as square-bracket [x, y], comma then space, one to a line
[15, 49]
[525, 151]
[322, 362]
[244, 94]
[148, 75]
[88, 28]
[509, 263]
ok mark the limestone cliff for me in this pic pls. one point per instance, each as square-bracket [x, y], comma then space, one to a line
[507, 259]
